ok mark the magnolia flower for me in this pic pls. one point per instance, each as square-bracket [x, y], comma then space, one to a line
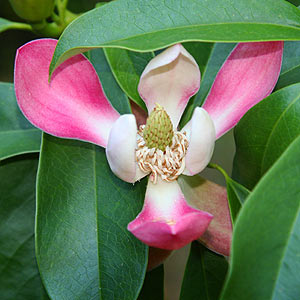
[74, 106]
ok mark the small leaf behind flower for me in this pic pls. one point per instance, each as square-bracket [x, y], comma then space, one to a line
[17, 135]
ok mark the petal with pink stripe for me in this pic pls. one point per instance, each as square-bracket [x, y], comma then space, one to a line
[170, 79]
[248, 75]
[167, 221]
[72, 105]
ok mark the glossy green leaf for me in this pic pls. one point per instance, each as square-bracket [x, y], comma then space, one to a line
[210, 58]
[219, 54]
[290, 70]
[19, 275]
[127, 67]
[204, 274]
[17, 135]
[266, 241]
[264, 133]
[153, 287]
[6, 25]
[295, 2]
[146, 26]
[84, 250]
[236, 193]
[111, 88]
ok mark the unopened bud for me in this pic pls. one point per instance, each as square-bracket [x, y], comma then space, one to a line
[33, 10]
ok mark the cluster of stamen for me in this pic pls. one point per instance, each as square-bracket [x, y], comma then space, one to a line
[167, 162]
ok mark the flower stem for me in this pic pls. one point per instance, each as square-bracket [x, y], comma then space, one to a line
[217, 167]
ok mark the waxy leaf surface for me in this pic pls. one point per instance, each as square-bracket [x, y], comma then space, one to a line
[290, 70]
[83, 247]
[127, 67]
[266, 240]
[264, 133]
[146, 26]
[19, 275]
[17, 135]
[153, 287]
[110, 87]
[204, 274]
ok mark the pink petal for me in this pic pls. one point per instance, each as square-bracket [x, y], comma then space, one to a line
[201, 135]
[247, 76]
[210, 197]
[166, 221]
[120, 150]
[73, 105]
[170, 79]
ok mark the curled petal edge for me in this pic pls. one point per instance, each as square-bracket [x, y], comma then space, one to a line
[167, 221]
[72, 105]
[163, 81]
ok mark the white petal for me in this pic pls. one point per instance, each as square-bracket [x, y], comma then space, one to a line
[170, 79]
[120, 150]
[201, 135]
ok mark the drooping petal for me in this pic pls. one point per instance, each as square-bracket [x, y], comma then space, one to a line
[210, 197]
[201, 135]
[247, 76]
[167, 221]
[120, 150]
[170, 79]
[72, 105]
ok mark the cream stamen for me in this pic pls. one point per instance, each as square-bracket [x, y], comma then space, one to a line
[169, 164]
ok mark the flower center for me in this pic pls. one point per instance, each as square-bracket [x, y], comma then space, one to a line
[158, 131]
[160, 150]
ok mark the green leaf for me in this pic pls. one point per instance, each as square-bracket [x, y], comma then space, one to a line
[153, 287]
[127, 67]
[264, 133]
[111, 88]
[210, 58]
[19, 275]
[295, 2]
[265, 250]
[147, 26]
[236, 193]
[290, 70]
[204, 274]
[6, 25]
[218, 55]
[84, 250]
[17, 135]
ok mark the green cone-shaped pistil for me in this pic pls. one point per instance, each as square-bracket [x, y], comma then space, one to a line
[158, 132]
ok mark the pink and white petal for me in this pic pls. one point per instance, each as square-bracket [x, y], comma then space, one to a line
[247, 76]
[210, 197]
[200, 131]
[120, 150]
[167, 221]
[72, 105]
[170, 79]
